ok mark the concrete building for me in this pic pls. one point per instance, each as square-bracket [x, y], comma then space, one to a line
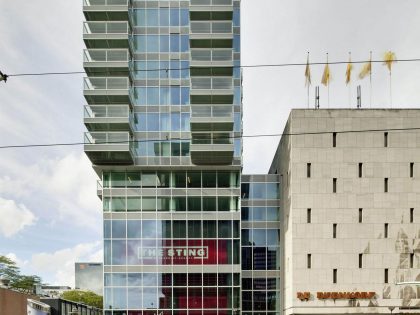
[350, 211]
[89, 277]
[164, 124]
[60, 306]
[13, 302]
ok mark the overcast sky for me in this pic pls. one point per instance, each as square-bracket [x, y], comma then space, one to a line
[49, 213]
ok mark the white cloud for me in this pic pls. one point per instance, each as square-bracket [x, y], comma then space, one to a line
[60, 264]
[14, 217]
[60, 188]
[20, 263]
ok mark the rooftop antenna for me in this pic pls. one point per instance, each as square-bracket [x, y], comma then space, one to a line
[359, 96]
[317, 97]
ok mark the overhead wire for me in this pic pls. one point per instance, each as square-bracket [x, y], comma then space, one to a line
[221, 138]
[206, 67]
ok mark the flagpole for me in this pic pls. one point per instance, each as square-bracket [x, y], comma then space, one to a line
[308, 96]
[328, 87]
[349, 78]
[370, 80]
[390, 87]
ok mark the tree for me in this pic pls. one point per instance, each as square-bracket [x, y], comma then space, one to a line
[11, 272]
[85, 297]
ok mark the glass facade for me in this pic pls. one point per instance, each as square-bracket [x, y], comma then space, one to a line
[260, 245]
[171, 196]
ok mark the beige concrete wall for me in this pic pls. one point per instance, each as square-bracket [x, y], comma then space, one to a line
[353, 238]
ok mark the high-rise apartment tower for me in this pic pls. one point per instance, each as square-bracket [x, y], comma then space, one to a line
[163, 114]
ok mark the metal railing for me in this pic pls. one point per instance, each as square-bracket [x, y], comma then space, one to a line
[211, 2]
[217, 111]
[112, 27]
[208, 83]
[216, 27]
[105, 55]
[105, 2]
[99, 186]
[106, 111]
[109, 138]
[109, 83]
[212, 138]
[211, 54]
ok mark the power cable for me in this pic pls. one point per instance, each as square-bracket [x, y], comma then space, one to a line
[221, 138]
[206, 67]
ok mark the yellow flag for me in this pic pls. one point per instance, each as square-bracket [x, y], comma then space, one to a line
[326, 76]
[307, 73]
[348, 71]
[367, 69]
[389, 59]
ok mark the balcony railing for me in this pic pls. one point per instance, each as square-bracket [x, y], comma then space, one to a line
[108, 138]
[211, 2]
[215, 27]
[105, 2]
[211, 138]
[106, 111]
[217, 111]
[211, 54]
[105, 28]
[110, 83]
[105, 55]
[209, 83]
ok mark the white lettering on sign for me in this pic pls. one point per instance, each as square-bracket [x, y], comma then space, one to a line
[195, 252]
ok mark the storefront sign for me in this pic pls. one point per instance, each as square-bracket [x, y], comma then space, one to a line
[305, 296]
[345, 295]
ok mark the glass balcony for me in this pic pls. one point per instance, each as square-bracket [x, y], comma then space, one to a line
[108, 138]
[211, 118]
[108, 118]
[105, 2]
[212, 138]
[103, 28]
[213, 111]
[201, 56]
[105, 55]
[109, 147]
[99, 189]
[106, 111]
[211, 83]
[211, 2]
[108, 83]
[213, 27]
[211, 148]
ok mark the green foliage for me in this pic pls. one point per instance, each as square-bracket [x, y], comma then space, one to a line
[9, 270]
[85, 297]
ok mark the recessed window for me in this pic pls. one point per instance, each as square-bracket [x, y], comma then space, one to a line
[309, 261]
[386, 185]
[334, 275]
[308, 170]
[411, 215]
[360, 170]
[386, 276]
[335, 230]
[360, 215]
[334, 185]
[386, 230]
[412, 260]
[360, 260]
[308, 215]
[385, 139]
[334, 139]
[411, 170]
